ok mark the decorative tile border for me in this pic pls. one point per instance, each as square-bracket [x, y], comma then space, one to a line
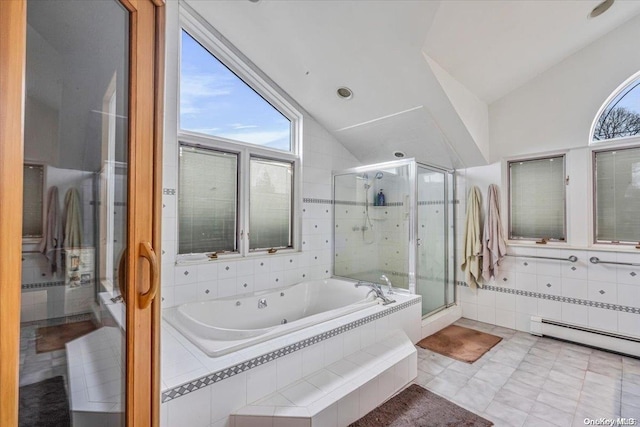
[437, 202]
[223, 374]
[560, 298]
[169, 191]
[352, 203]
[42, 285]
[318, 201]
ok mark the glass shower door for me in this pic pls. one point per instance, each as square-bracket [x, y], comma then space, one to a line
[432, 239]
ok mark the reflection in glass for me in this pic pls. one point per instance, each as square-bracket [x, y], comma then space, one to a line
[76, 124]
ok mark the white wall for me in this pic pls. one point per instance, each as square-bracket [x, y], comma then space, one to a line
[554, 112]
[556, 109]
[473, 112]
[321, 155]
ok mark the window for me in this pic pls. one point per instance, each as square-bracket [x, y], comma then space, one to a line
[238, 156]
[32, 212]
[620, 117]
[216, 102]
[617, 195]
[207, 200]
[537, 199]
[270, 205]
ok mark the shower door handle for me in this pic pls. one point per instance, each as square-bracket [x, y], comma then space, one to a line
[145, 298]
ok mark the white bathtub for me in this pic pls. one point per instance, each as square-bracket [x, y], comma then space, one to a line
[223, 325]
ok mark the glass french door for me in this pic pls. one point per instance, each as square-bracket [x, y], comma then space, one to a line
[79, 275]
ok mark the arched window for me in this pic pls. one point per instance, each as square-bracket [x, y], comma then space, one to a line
[620, 115]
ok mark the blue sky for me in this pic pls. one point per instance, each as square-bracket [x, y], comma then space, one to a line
[215, 101]
[631, 99]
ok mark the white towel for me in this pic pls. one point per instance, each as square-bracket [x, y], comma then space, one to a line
[494, 247]
[51, 244]
[72, 217]
[472, 264]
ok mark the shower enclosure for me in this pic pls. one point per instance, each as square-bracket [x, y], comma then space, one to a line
[408, 236]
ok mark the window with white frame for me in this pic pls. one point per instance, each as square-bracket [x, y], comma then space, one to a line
[238, 155]
[616, 180]
[537, 198]
[619, 117]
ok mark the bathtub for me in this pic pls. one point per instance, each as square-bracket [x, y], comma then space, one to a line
[224, 325]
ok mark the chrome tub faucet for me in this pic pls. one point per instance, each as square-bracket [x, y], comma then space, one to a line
[375, 288]
[385, 279]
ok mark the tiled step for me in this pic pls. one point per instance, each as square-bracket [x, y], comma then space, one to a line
[96, 368]
[340, 393]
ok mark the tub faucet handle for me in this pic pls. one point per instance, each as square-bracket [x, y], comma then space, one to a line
[262, 303]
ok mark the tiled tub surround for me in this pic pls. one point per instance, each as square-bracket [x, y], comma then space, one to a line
[342, 392]
[203, 391]
[597, 296]
[224, 325]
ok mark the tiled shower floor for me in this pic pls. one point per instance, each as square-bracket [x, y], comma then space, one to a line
[535, 382]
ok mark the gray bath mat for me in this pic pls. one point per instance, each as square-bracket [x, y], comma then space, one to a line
[44, 404]
[417, 407]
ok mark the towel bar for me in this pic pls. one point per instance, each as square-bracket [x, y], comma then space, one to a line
[572, 258]
[596, 260]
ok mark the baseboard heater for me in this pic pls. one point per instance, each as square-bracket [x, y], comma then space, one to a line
[607, 341]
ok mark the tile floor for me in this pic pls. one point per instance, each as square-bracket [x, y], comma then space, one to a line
[35, 366]
[535, 382]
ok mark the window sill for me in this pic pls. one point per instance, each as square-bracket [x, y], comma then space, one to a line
[197, 259]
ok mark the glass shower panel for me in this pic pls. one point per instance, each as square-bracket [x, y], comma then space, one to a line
[431, 274]
[372, 234]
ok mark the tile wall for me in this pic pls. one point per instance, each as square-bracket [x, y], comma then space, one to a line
[597, 296]
[382, 246]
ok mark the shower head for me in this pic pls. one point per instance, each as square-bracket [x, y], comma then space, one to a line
[379, 175]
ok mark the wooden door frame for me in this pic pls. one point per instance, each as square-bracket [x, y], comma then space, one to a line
[13, 44]
[144, 203]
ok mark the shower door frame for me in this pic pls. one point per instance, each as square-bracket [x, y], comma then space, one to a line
[449, 300]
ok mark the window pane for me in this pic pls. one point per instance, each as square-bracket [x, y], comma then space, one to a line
[207, 200]
[32, 196]
[270, 204]
[618, 195]
[621, 118]
[215, 101]
[537, 190]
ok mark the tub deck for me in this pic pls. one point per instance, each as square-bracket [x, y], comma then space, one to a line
[205, 391]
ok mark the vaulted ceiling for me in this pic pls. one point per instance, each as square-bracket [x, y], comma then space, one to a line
[422, 72]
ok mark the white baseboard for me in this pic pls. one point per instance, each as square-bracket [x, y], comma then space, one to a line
[587, 336]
